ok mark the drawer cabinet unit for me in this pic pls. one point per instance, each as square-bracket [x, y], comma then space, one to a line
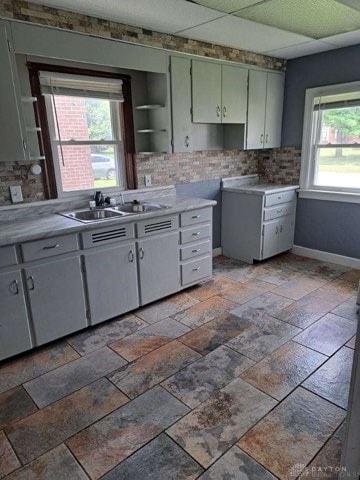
[195, 270]
[196, 233]
[194, 250]
[49, 247]
[195, 216]
[7, 256]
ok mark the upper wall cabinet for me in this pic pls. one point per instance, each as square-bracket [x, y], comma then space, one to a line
[181, 104]
[12, 144]
[219, 93]
[265, 104]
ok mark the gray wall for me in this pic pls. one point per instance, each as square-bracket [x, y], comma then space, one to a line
[322, 225]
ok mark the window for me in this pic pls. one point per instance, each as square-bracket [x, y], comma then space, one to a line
[331, 140]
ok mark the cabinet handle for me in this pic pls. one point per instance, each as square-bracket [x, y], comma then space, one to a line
[141, 253]
[224, 111]
[195, 250]
[279, 197]
[131, 256]
[187, 141]
[266, 138]
[196, 269]
[262, 138]
[218, 110]
[32, 283]
[15, 291]
[195, 216]
[281, 228]
[50, 247]
[196, 234]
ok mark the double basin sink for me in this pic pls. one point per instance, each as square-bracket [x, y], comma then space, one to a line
[108, 213]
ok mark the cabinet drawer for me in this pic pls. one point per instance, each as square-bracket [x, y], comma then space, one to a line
[157, 225]
[196, 216]
[195, 250]
[196, 270]
[195, 233]
[49, 247]
[103, 236]
[281, 197]
[7, 256]
[280, 211]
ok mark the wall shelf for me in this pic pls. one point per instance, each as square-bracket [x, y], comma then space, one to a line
[151, 130]
[152, 106]
[33, 129]
[37, 158]
[151, 153]
[28, 99]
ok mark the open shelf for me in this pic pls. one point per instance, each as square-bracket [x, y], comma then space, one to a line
[29, 99]
[33, 129]
[151, 153]
[151, 106]
[151, 130]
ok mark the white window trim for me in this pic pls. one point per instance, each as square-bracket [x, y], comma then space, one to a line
[307, 189]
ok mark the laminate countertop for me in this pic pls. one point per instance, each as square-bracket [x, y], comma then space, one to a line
[260, 189]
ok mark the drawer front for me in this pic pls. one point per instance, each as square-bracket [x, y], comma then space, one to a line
[196, 270]
[49, 247]
[281, 197]
[195, 216]
[156, 225]
[7, 256]
[194, 234]
[104, 236]
[195, 250]
[280, 211]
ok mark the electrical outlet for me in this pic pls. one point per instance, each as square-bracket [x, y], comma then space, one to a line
[16, 194]
[147, 180]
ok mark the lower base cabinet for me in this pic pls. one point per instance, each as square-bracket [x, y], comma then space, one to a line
[56, 297]
[111, 277]
[278, 236]
[14, 324]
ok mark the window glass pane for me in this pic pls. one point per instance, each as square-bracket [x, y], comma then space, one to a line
[340, 126]
[81, 118]
[84, 167]
[338, 167]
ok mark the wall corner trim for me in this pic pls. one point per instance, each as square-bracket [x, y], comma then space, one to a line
[326, 256]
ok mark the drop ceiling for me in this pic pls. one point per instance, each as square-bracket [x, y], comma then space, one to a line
[282, 28]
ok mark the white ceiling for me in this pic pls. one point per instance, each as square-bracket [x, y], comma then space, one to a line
[187, 19]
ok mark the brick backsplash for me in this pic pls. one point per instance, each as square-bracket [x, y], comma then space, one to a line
[16, 173]
[280, 165]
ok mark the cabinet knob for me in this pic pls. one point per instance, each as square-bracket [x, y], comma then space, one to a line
[131, 256]
[187, 141]
[141, 253]
[224, 111]
[195, 216]
[196, 269]
[196, 234]
[51, 247]
[218, 110]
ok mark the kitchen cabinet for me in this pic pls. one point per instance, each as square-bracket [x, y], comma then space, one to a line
[278, 236]
[14, 323]
[219, 93]
[111, 278]
[56, 298]
[265, 105]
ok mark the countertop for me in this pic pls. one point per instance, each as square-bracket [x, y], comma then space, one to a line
[260, 189]
[46, 226]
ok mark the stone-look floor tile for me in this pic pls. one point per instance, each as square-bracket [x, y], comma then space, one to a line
[244, 273]
[203, 312]
[218, 285]
[292, 433]
[161, 459]
[299, 287]
[340, 432]
[326, 464]
[164, 308]
[328, 271]
[351, 276]
[137, 377]
[348, 309]
[351, 342]
[276, 276]
[236, 465]
[223, 265]
[283, 370]
[148, 339]
[305, 311]
[57, 464]
[215, 425]
[206, 338]
[8, 459]
[262, 333]
[337, 291]
[45, 429]
[268, 303]
[71, 377]
[14, 405]
[198, 381]
[102, 446]
[31, 365]
[332, 380]
[327, 334]
[97, 337]
[243, 292]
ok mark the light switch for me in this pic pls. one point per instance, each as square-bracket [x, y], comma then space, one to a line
[16, 194]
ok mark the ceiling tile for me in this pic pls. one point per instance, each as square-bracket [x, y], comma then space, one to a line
[239, 33]
[316, 19]
[344, 39]
[351, 3]
[308, 48]
[168, 16]
[227, 6]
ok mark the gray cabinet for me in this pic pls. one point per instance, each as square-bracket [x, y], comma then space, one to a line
[159, 272]
[278, 236]
[112, 284]
[234, 94]
[14, 324]
[11, 132]
[56, 297]
[264, 118]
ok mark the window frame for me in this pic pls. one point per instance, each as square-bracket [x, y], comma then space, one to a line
[50, 168]
[307, 173]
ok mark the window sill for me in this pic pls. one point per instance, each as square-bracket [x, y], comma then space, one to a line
[330, 196]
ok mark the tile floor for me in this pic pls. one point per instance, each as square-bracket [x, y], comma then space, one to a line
[245, 376]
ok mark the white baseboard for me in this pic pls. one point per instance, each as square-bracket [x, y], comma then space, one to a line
[217, 251]
[326, 256]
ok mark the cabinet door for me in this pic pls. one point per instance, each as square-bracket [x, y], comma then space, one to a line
[206, 92]
[111, 279]
[14, 323]
[57, 300]
[234, 94]
[11, 138]
[256, 109]
[286, 233]
[270, 239]
[181, 104]
[274, 109]
[159, 270]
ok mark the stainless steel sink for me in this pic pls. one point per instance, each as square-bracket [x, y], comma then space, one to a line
[139, 207]
[90, 216]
